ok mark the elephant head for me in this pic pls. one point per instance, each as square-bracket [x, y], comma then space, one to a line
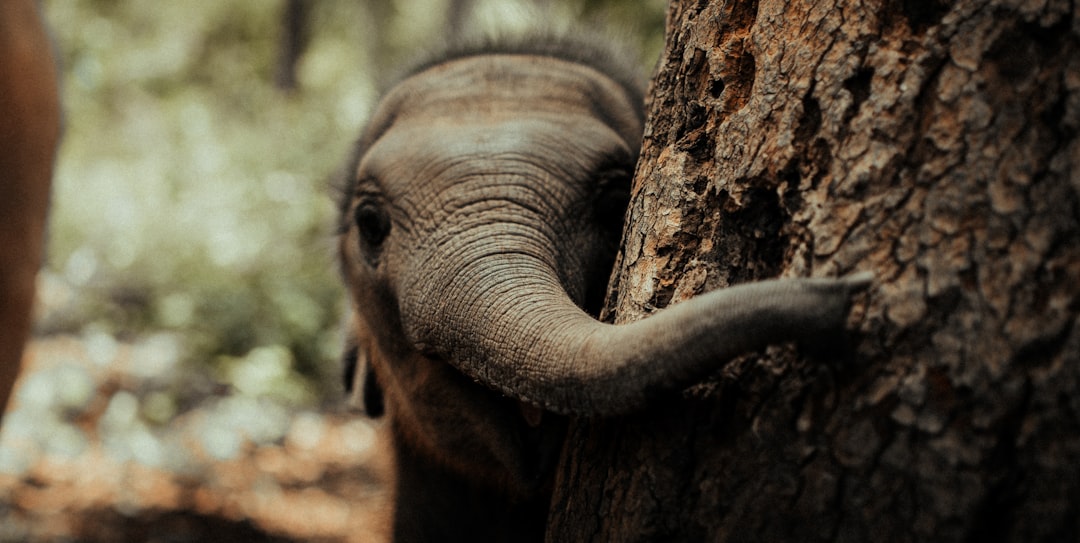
[480, 222]
[482, 217]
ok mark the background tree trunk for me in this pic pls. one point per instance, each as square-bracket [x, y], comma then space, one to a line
[292, 41]
[932, 142]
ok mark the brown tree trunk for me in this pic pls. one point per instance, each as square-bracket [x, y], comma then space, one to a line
[934, 143]
[292, 41]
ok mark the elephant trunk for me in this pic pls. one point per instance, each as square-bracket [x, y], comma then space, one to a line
[495, 307]
[501, 313]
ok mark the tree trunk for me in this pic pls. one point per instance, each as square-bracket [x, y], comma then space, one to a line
[934, 143]
[292, 41]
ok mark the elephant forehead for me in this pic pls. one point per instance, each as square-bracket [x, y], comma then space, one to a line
[453, 149]
[536, 117]
[488, 84]
[454, 139]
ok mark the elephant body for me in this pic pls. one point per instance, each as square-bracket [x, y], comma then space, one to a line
[482, 213]
[30, 121]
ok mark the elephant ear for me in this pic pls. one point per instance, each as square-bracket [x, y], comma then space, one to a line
[363, 389]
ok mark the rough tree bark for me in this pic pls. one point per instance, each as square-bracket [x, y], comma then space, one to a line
[932, 142]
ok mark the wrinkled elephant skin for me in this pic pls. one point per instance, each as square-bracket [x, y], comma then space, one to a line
[482, 215]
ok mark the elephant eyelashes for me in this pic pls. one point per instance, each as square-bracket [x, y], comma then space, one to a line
[372, 223]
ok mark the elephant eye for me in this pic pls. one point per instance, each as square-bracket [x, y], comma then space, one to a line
[372, 222]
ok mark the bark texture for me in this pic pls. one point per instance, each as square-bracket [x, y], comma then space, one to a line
[934, 143]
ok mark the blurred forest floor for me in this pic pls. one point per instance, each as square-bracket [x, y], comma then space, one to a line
[75, 468]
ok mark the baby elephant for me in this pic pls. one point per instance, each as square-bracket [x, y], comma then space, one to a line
[480, 220]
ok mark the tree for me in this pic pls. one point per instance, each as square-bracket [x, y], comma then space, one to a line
[934, 143]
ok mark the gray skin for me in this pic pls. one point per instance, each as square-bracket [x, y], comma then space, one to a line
[475, 240]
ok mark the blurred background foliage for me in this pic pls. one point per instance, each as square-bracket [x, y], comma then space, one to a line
[193, 207]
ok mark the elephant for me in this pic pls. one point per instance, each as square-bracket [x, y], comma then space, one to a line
[30, 130]
[480, 218]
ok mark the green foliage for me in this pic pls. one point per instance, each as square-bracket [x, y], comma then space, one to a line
[191, 195]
